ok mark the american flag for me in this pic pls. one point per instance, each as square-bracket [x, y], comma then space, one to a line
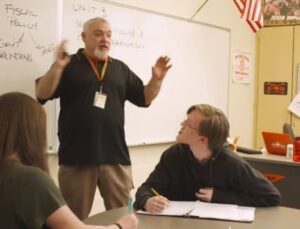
[251, 12]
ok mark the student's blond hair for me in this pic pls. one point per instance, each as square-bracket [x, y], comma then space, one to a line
[215, 125]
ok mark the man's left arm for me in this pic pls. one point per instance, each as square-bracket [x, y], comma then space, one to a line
[159, 71]
[251, 189]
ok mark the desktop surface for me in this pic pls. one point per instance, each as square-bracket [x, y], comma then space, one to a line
[282, 172]
[274, 217]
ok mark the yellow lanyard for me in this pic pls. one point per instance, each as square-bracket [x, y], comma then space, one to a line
[95, 68]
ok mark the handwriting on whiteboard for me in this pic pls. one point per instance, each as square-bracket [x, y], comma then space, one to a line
[21, 43]
[125, 37]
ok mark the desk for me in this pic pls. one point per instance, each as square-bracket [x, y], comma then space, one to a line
[274, 165]
[265, 218]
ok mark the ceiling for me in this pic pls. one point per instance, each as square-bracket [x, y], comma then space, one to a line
[181, 8]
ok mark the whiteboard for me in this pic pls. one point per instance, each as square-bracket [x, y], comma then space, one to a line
[199, 55]
[27, 43]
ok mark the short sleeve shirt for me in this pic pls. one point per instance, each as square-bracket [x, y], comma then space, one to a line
[28, 196]
[90, 135]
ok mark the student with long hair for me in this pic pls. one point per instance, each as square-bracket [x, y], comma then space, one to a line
[28, 196]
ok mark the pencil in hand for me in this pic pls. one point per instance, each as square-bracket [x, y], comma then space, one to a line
[158, 195]
[155, 192]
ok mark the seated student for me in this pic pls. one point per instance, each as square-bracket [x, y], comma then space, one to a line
[28, 196]
[200, 167]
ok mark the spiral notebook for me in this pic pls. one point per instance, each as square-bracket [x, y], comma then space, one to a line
[199, 209]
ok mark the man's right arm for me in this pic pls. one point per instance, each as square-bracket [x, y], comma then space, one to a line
[47, 84]
[159, 180]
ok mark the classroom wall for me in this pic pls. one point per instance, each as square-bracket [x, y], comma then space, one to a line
[191, 80]
[221, 13]
[241, 97]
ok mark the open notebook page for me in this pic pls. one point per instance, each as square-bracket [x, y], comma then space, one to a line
[223, 211]
[176, 208]
[207, 210]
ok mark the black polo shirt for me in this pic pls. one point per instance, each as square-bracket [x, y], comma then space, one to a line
[88, 134]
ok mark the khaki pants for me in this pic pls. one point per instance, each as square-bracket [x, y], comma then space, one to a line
[78, 185]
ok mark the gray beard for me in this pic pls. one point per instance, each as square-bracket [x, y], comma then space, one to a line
[100, 55]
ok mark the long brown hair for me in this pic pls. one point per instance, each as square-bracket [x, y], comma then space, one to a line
[22, 130]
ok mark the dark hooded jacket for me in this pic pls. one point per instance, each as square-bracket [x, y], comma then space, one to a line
[178, 176]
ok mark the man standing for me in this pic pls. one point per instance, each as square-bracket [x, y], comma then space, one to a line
[200, 167]
[93, 87]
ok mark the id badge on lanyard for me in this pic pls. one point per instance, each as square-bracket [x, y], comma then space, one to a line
[100, 99]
